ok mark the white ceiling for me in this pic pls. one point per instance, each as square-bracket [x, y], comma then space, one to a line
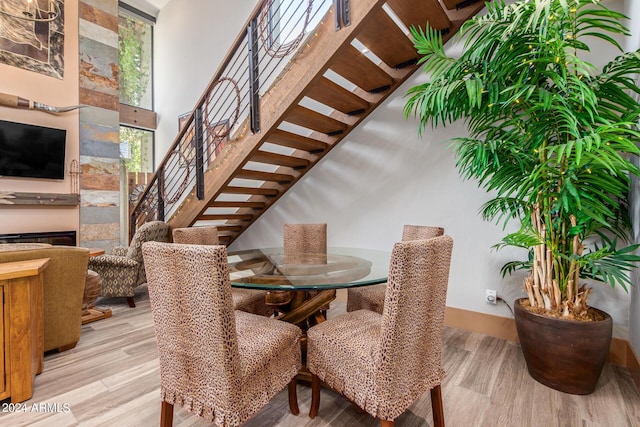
[152, 7]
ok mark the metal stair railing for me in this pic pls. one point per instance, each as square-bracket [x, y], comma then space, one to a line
[229, 106]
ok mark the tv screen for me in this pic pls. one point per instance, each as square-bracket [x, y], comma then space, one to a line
[31, 151]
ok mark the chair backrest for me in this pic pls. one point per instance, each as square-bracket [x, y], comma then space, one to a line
[301, 239]
[154, 231]
[192, 311]
[421, 232]
[207, 235]
[413, 317]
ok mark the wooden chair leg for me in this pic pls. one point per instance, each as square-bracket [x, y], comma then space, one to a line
[315, 396]
[386, 423]
[131, 302]
[436, 406]
[293, 396]
[166, 414]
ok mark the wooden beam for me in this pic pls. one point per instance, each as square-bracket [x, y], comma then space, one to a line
[138, 117]
[10, 198]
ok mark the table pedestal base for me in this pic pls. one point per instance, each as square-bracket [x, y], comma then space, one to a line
[92, 313]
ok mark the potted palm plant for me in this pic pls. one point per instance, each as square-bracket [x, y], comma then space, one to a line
[552, 137]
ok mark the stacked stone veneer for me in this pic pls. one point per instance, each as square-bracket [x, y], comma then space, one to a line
[99, 124]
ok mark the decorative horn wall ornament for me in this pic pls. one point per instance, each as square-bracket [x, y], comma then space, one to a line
[33, 13]
[14, 101]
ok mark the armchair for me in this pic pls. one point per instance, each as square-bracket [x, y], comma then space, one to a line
[123, 270]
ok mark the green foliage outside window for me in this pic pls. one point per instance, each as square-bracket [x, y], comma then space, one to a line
[134, 76]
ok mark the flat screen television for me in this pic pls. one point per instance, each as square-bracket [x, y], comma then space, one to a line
[30, 151]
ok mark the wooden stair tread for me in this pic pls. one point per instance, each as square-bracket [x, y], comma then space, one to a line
[354, 66]
[250, 190]
[453, 4]
[337, 97]
[418, 13]
[387, 41]
[229, 216]
[310, 119]
[264, 176]
[223, 228]
[298, 142]
[279, 159]
[242, 204]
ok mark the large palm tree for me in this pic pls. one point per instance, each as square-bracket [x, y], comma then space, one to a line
[550, 134]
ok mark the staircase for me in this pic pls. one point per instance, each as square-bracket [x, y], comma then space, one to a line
[271, 112]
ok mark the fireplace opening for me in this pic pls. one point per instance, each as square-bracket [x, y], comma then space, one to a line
[66, 238]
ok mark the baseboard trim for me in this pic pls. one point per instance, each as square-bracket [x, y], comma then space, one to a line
[621, 353]
[634, 366]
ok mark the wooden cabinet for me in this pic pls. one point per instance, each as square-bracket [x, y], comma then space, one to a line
[21, 346]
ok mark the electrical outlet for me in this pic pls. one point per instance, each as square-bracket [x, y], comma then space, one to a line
[491, 296]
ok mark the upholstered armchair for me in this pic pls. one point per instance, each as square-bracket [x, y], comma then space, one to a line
[249, 300]
[384, 362]
[123, 270]
[372, 297]
[220, 364]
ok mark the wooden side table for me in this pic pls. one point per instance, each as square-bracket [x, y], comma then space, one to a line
[92, 288]
[21, 327]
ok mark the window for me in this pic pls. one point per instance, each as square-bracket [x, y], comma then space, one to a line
[135, 78]
[136, 149]
[135, 49]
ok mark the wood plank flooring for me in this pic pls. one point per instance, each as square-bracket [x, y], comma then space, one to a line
[112, 379]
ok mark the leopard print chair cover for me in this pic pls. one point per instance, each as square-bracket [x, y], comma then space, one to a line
[220, 364]
[249, 300]
[123, 270]
[301, 239]
[384, 362]
[372, 297]
[196, 235]
[304, 238]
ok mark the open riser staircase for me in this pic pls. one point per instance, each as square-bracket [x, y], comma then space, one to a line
[252, 135]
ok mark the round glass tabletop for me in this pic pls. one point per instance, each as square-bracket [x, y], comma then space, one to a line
[270, 269]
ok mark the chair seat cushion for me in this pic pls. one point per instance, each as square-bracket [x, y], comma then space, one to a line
[261, 341]
[344, 351]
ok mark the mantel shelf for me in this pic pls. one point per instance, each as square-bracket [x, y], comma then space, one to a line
[12, 198]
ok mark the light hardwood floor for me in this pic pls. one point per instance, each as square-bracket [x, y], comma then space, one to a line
[112, 379]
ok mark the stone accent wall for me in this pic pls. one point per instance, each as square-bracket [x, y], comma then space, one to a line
[99, 124]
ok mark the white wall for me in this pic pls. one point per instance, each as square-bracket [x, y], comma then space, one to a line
[191, 38]
[378, 178]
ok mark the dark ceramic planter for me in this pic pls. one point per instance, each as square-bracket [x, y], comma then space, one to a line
[565, 355]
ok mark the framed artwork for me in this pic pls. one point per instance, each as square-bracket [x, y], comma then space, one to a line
[33, 44]
[217, 137]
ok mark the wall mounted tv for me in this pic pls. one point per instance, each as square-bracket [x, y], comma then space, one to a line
[30, 151]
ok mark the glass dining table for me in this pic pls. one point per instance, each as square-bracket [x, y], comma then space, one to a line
[300, 285]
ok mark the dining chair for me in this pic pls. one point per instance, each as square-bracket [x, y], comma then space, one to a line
[384, 362]
[372, 297]
[304, 238]
[249, 300]
[300, 241]
[218, 363]
[123, 270]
